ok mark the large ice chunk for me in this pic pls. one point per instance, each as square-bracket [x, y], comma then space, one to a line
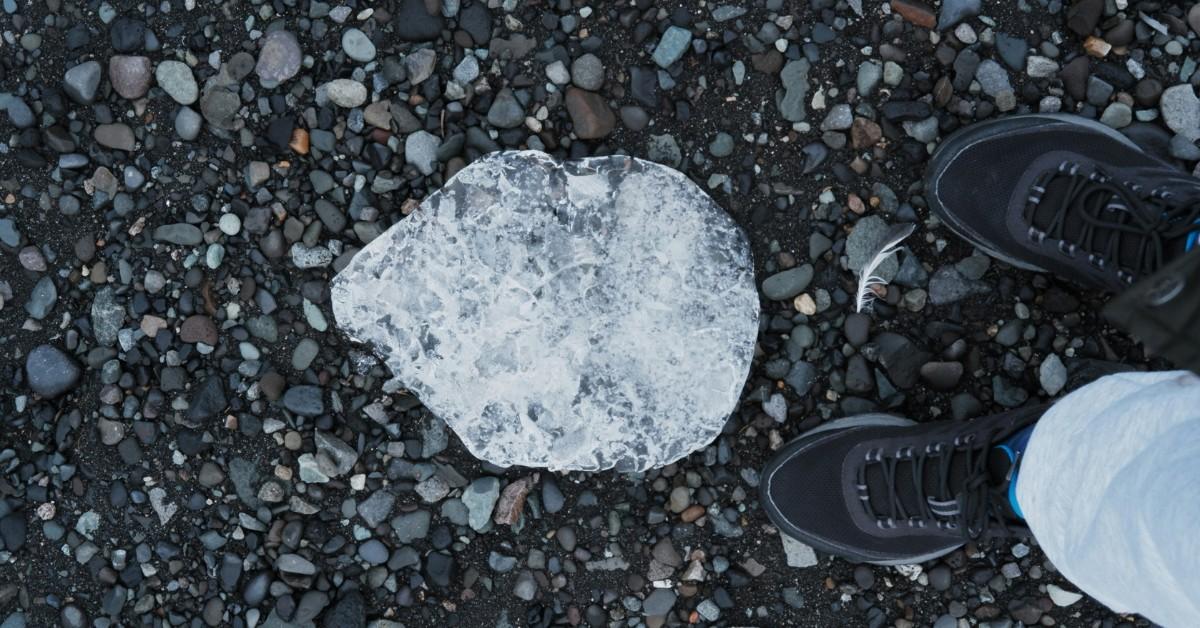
[587, 315]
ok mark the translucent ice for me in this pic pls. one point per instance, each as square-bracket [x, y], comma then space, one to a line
[586, 315]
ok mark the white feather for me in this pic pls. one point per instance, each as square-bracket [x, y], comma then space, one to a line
[867, 277]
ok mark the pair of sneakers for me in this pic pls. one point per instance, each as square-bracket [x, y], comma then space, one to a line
[1051, 193]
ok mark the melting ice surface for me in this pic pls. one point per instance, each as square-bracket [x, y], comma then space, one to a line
[586, 315]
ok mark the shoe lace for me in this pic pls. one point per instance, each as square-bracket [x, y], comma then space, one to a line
[1129, 216]
[966, 503]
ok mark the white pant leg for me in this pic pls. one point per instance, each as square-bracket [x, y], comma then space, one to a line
[1110, 487]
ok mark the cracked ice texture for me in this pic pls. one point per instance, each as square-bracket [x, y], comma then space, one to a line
[586, 315]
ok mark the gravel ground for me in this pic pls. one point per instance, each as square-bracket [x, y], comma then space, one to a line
[187, 440]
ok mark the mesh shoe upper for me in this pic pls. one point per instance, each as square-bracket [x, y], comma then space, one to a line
[982, 180]
[854, 491]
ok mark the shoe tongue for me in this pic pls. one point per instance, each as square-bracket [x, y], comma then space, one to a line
[1056, 194]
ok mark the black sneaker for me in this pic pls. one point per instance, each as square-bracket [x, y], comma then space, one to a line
[882, 489]
[1064, 194]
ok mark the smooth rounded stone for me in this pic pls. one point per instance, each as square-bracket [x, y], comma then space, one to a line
[130, 76]
[506, 111]
[587, 72]
[229, 224]
[346, 93]
[787, 284]
[942, 375]
[176, 79]
[557, 73]
[1181, 110]
[50, 371]
[1184, 148]
[279, 59]
[358, 46]
[188, 124]
[42, 299]
[722, 145]
[118, 136]
[634, 118]
[542, 309]
[1117, 115]
[179, 233]
[82, 81]
[304, 354]
[19, 113]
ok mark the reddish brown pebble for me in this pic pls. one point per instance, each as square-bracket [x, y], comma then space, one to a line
[299, 141]
[691, 513]
[864, 133]
[915, 12]
[590, 115]
[198, 328]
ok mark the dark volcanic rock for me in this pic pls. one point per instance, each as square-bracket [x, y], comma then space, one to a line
[51, 372]
[416, 22]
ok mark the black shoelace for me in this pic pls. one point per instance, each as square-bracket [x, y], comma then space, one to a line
[965, 502]
[1122, 227]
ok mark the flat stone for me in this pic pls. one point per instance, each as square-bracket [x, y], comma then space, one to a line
[671, 46]
[179, 233]
[795, 84]
[480, 498]
[304, 400]
[346, 93]
[797, 554]
[118, 136]
[279, 58]
[358, 46]
[564, 361]
[176, 79]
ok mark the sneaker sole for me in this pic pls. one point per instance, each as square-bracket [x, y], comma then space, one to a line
[960, 141]
[790, 450]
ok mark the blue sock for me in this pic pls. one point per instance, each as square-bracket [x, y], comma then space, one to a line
[1013, 448]
[1193, 238]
